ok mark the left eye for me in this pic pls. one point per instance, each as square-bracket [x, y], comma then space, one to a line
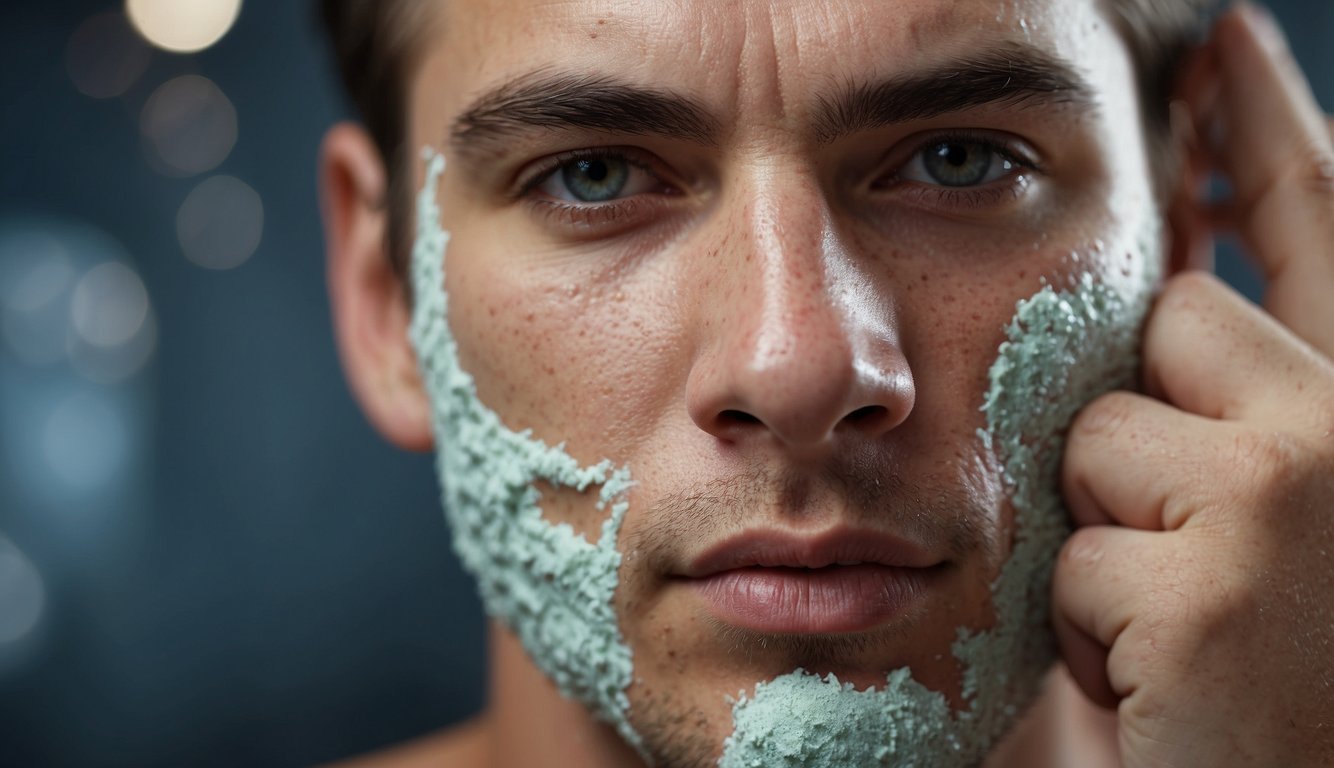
[958, 164]
[597, 179]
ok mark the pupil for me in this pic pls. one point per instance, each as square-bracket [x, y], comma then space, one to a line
[954, 154]
[595, 170]
[959, 163]
[594, 179]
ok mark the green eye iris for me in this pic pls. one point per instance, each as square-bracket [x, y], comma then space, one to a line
[596, 179]
[960, 163]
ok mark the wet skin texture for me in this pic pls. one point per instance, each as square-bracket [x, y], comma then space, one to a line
[776, 325]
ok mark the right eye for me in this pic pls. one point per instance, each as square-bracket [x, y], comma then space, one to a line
[959, 164]
[600, 177]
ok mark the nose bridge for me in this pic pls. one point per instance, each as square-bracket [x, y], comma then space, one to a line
[796, 350]
[796, 321]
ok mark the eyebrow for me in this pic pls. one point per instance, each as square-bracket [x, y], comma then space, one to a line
[1017, 75]
[547, 100]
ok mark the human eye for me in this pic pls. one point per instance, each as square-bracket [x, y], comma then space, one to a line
[963, 171]
[590, 189]
[959, 164]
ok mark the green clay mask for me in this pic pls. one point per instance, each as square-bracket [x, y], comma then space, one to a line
[553, 587]
[1063, 349]
[550, 585]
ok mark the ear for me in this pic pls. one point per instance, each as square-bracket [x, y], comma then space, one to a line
[368, 297]
[1190, 233]
[1187, 211]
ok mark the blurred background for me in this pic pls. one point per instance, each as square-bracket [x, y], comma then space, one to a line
[207, 558]
[206, 555]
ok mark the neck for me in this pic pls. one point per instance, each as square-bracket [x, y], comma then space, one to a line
[534, 726]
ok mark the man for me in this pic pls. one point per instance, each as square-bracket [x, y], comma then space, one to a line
[750, 335]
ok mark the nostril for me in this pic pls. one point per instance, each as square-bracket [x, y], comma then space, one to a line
[734, 418]
[867, 415]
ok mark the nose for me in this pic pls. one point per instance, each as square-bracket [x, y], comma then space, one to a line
[802, 344]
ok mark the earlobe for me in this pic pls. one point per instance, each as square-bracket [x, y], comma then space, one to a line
[366, 292]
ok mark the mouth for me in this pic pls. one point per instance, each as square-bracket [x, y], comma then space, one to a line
[844, 581]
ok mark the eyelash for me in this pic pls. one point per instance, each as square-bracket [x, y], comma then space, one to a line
[588, 216]
[940, 196]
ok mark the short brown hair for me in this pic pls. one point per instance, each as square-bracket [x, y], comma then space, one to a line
[375, 47]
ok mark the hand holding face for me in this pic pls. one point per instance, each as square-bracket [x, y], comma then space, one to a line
[1198, 594]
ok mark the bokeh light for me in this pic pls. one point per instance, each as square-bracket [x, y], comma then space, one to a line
[110, 305]
[221, 222]
[111, 318]
[104, 56]
[36, 274]
[68, 293]
[183, 26]
[22, 595]
[85, 442]
[188, 126]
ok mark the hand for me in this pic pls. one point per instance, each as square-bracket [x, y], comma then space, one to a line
[1197, 595]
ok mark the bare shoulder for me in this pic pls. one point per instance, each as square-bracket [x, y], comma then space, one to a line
[463, 746]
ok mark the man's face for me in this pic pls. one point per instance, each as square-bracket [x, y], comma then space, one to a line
[763, 255]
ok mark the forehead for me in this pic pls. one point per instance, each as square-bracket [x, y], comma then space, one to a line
[747, 55]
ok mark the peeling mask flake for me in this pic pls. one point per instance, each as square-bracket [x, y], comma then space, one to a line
[547, 583]
[1062, 350]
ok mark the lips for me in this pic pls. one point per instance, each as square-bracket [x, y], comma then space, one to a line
[839, 582]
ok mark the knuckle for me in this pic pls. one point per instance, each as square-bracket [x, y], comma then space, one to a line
[1218, 605]
[1194, 607]
[1187, 291]
[1149, 723]
[1106, 416]
[1155, 732]
[1163, 645]
[1314, 168]
[1082, 550]
[1265, 460]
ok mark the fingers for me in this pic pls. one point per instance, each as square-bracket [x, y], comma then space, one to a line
[1211, 361]
[1103, 580]
[1126, 459]
[1274, 144]
[1210, 352]
[1086, 660]
[1270, 122]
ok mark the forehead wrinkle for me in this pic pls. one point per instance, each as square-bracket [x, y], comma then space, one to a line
[762, 65]
[720, 66]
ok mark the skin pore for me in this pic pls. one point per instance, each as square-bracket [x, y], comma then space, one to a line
[784, 321]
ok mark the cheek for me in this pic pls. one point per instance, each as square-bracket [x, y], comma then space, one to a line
[952, 320]
[574, 358]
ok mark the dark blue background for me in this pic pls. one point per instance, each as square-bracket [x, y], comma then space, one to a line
[263, 582]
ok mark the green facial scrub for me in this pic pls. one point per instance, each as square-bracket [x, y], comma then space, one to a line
[1063, 349]
[553, 588]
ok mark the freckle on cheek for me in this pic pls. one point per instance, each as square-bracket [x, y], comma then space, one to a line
[550, 585]
[1062, 350]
